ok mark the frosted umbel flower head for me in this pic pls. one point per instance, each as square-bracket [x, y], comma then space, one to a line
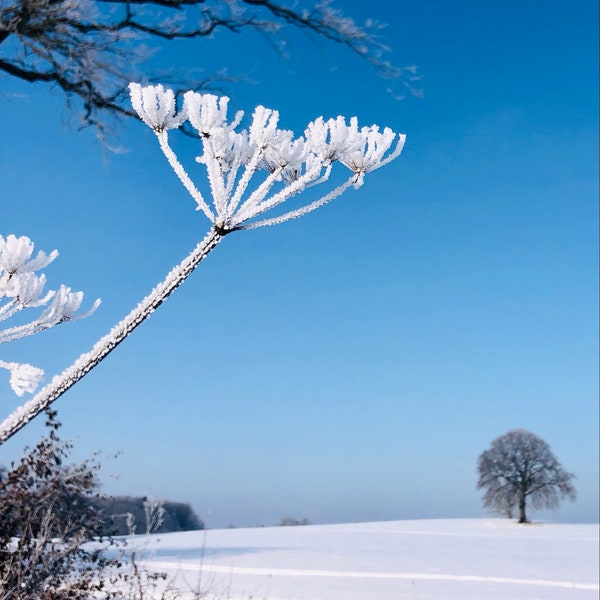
[156, 106]
[256, 170]
[23, 377]
[22, 288]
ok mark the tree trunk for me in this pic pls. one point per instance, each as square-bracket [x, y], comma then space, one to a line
[522, 515]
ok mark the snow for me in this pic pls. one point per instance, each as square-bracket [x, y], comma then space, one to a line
[483, 559]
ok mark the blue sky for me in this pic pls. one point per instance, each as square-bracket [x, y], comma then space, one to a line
[353, 364]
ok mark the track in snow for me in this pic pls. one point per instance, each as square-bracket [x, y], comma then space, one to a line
[262, 571]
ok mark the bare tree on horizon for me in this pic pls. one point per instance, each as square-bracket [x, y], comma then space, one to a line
[518, 468]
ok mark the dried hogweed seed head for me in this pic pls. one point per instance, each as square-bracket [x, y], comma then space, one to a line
[24, 378]
[16, 255]
[156, 106]
[207, 113]
[232, 158]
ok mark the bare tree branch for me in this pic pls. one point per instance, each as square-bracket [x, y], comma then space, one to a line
[90, 49]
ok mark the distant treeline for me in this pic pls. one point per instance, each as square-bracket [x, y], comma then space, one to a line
[123, 514]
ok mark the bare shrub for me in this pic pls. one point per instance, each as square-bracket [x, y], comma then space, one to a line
[51, 543]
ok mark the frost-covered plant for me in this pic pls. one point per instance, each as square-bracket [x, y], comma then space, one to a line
[252, 173]
[130, 522]
[154, 511]
[283, 165]
[47, 521]
[22, 288]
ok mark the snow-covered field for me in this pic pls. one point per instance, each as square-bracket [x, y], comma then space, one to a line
[479, 559]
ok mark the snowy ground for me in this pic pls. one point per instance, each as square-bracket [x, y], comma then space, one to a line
[479, 559]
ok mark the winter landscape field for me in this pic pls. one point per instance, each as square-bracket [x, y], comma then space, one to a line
[479, 559]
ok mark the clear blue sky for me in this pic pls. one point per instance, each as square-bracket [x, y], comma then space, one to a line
[353, 364]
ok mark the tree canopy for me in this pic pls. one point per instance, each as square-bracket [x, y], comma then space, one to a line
[519, 467]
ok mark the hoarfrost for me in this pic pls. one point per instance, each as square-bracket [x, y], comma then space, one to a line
[21, 288]
[284, 166]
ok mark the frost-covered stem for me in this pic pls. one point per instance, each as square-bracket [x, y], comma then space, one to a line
[20, 331]
[245, 180]
[215, 176]
[9, 309]
[183, 176]
[262, 190]
[86, 362]
[354, 181]
[248, 211]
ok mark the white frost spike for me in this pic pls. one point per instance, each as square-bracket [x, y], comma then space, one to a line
[24, 378]
[156, 106]
[226, 148]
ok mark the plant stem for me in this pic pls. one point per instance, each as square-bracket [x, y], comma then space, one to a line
[105, 345]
